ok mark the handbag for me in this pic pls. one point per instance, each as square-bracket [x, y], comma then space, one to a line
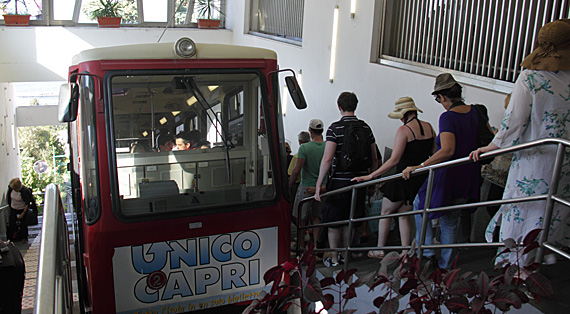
[16, 233]
[485, 135]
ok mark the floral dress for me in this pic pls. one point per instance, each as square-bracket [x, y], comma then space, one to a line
[539, 108]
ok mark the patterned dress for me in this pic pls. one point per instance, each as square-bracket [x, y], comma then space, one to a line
[539, 108]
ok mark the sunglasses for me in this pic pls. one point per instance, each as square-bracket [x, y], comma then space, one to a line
[437, 98]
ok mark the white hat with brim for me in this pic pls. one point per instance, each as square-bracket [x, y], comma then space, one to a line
[403, 105]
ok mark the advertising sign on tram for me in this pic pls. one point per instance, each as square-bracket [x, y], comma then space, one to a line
[193, 274]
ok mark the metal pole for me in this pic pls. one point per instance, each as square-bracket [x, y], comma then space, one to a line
[550, 202]
[350, 228]
[425, 215]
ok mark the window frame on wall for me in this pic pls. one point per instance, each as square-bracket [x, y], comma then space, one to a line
[501, 34]
[48, 17]
[282, 26]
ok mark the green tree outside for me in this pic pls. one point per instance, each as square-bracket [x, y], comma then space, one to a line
[43, 143]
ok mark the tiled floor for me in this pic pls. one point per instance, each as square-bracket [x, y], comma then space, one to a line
[30, 251]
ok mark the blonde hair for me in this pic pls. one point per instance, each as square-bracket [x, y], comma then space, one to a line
[16, 184]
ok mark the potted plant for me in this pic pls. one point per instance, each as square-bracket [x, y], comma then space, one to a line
[18, 18]
[107, 12]
[205, 10]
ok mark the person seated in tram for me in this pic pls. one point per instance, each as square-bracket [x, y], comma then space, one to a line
[198, 142]
[183, 141]
[165, 142]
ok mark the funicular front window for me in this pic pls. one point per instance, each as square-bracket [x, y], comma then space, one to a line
[189, 143]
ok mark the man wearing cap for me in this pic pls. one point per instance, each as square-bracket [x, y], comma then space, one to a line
[539, 108]
[308, 164]
[337, 207]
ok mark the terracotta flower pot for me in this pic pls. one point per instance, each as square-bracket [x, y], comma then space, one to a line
[16, 20]
[205, 23]
[109, 22]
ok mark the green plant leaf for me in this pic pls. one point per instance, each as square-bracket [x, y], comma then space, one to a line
[451, 277]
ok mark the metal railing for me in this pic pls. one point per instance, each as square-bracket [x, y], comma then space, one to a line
[4, 218]
[550, 198]
[54, 291]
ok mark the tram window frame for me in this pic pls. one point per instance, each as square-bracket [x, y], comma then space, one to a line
[88, 151]
[264, 199]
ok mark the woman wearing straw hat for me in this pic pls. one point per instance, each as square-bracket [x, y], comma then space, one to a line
[458, 132]
[413, 144]
[539, 108]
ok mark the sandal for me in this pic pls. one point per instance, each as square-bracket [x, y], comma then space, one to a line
[376, 254]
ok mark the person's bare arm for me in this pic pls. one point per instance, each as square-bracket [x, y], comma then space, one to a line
[326, 163]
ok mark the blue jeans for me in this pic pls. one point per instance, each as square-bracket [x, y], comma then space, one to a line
[449, 230]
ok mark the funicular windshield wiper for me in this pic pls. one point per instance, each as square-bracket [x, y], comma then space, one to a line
[191, 85]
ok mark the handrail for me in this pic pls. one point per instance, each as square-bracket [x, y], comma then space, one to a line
[3, 222]
[550, 200]
[54, 293]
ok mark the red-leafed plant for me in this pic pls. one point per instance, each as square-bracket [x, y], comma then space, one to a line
[461, 293]
[295, 284]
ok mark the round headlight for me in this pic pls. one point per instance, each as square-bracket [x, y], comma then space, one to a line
[185, 47]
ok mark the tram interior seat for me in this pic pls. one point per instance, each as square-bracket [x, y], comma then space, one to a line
[158, 189]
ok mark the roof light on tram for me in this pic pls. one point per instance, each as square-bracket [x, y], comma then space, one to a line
[144, 134]
[185, 47]
[163, 120]
[190, 101]
[213, 87]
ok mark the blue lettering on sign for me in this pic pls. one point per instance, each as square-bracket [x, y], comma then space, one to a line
[188, 256]
[247, 244]
[232, 274]
[197, 252]
[206, 277]
[217, 248]
[176, 285]
[157, 250]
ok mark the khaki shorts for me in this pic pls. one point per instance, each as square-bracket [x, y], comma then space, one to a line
[311, 207]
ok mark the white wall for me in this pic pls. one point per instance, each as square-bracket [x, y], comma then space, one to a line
[9, 154]
[377, 86]
[44, 53]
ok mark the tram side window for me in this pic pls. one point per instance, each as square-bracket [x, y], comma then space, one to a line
[222, 160]
[88, 150]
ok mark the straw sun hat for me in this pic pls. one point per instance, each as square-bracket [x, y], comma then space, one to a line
[403, 105]
[552, 48]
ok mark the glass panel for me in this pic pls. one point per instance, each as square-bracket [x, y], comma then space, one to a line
[202, 11]
[129, 8]
[189, 142]
[155, 11]
[88, 150]
[31, 7]
[63, 9]
[181, 11]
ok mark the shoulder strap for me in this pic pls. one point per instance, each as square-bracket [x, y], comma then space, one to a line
[414, 134]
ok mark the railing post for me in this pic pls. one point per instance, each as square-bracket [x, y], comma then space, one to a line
[425, 215]
[550, 202]
[353, 199]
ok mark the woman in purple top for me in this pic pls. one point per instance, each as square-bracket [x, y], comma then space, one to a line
[458, 131]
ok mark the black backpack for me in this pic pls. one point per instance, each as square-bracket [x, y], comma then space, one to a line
[485, 136]
[355, 154]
